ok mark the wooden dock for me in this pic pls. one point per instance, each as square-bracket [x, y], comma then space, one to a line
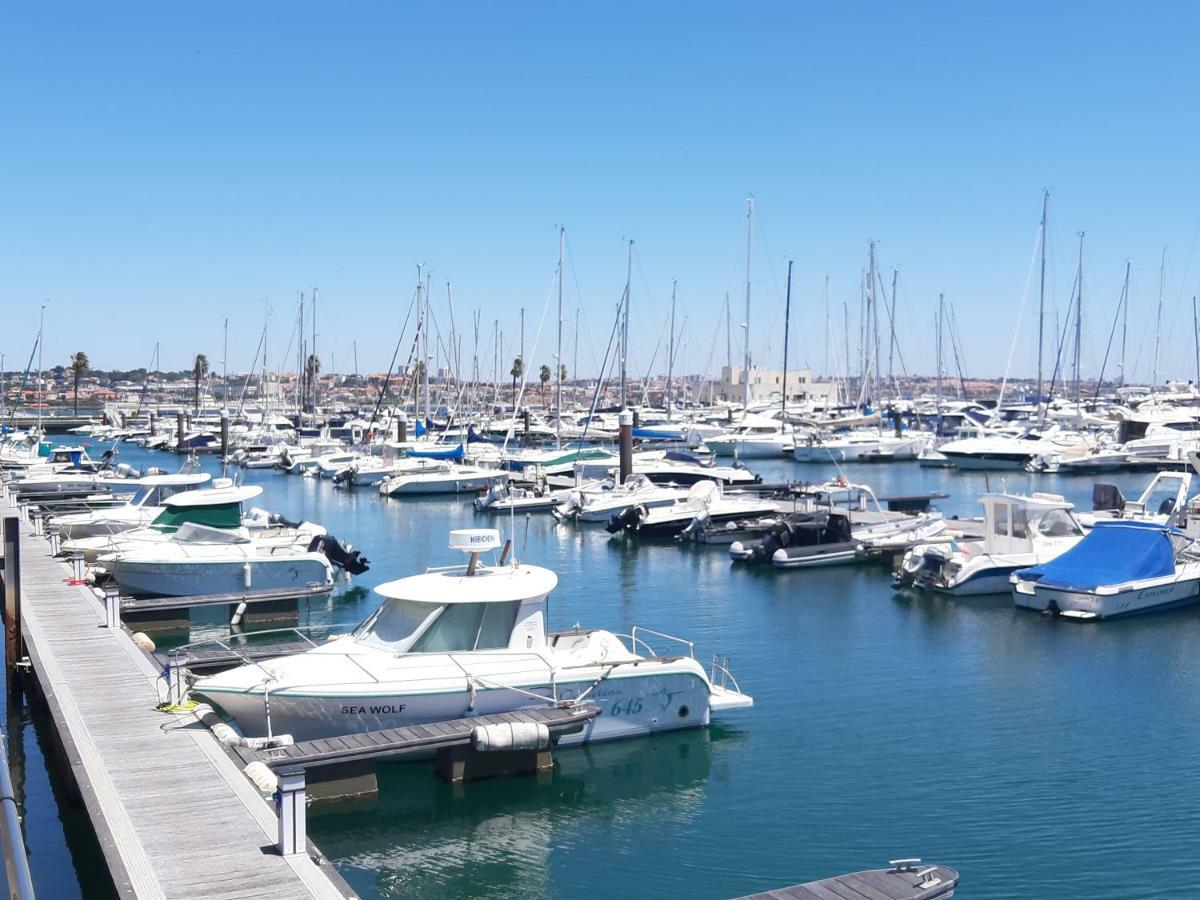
[906, 880]
[173, 814]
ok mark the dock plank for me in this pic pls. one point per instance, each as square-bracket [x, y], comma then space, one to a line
[102, 691]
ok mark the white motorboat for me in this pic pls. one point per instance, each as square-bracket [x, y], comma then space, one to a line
[706, 503]
[858, 446]
[221, 506]
[1163, 502]
[672, 467]
[1119, 569]
[200, 559]
[438, 477]
[502, 498]
[471, 640]
[601, 500]
[1019, 532]
[753, 437]
[141, 509]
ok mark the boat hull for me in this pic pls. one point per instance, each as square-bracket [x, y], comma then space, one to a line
[181, 579]
[632, 704]
[1110, 606]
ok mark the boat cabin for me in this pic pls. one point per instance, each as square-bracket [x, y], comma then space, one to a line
[1015, 523]
[155, 489]
[217, 507]
[463, 608]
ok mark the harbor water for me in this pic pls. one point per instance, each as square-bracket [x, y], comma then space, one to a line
[1038, 757]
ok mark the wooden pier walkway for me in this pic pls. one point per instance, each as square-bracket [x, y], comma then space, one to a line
[174, 815]
[907, 881]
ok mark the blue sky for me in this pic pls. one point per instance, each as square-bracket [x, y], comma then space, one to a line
[168, 165]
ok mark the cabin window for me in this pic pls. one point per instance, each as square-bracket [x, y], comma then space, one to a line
[1057, 523]
[1000, 526]
[469, 626]
[1020, 522]
[221, 515]
[395, 622]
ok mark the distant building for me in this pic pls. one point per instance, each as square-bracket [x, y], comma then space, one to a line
[768, 384]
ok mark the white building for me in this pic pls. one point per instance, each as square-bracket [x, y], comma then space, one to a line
[767, 385]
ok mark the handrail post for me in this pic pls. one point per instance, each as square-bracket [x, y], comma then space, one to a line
[290, 804]
[77, 566]
[55, 540]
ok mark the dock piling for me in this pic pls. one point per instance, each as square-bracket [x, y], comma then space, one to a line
[179, 433]
[625, 423]
[77, 569]
[290, 803]
[224, 435]
[112, 607]
[55, 540]
[13, 651]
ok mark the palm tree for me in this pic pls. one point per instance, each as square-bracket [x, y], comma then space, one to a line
[544, 378]
[517, 370]
[79, 365]
[199, 370]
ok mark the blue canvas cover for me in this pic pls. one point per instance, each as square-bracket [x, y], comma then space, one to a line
[455, 452]
[657, 434]
[1112, 553]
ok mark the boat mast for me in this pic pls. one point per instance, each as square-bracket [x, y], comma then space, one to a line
[940, 318]
[728, 337]
[746, 323]
[1079, 324]
[314, 351]
[1162, 269]
[625, 323]
[892, 339]
[1042, 296]
[41, 379]
[1196, 338]
[827, 371]
[671, 349]
[575, 351]
[787, 320]
[1124, 320]
[558, 363]
[872, 348]
[846, 337]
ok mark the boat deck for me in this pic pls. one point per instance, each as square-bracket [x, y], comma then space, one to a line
[173, 814]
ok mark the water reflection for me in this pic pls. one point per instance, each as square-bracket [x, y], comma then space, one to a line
[423, 837]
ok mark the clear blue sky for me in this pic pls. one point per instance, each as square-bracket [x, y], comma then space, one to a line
[167, 165]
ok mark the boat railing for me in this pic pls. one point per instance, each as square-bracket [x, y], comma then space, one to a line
[634, 640]
[720, 676]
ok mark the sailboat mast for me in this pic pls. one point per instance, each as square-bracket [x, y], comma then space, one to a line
[625, 324]
[746, 323]
[314, 351]
[1124, 320]
[301, 372]
[558, 363]
[671, 349]
[940, 318]
[41, 395]
[1042, 296]
[787, 320]
[892, 338]
[1162, 270]
[827, 370]
[1079, 321]
[728, 337]
[1196, 338]
[225, 368]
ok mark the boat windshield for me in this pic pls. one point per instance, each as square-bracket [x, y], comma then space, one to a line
[392, 625]
[220, 515]
[142, 495]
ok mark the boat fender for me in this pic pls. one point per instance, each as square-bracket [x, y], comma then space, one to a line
[262, 777]
[142, 640]
[510, 736]
[224, 734]
[246, 575]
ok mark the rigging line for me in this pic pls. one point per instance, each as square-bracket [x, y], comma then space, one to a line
[956, 340]
[1121, 301]
[600, 380]
[392, 365]
[579, 302]
[1061, 343]
[895, 341]
[525, 369]
[1012, 347]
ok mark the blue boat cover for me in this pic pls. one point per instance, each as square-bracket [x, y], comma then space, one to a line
[421, 429]
[1112, 553]
[680, 456]
[657, 434]
[455, 452]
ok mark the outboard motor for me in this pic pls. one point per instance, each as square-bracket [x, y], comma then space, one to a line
[345, 476]
[932, 562]
[277, 519]
[495, 492]
[1107, 497]
[695, 528]
[343, 556]
[628, 518]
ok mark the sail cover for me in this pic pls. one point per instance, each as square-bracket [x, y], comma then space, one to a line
[1112, 553]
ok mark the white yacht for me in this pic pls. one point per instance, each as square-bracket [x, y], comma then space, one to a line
[438, 477]
[1018, 531]
[472, 640]
[601, 500]
[200, 559]
[705, 504]
[753, 437]
[1120, 568]
[141, 509]
[857, 446]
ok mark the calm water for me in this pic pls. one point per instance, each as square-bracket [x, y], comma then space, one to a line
[1038, 757]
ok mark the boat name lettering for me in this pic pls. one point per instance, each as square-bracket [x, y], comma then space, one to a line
[383, 709]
